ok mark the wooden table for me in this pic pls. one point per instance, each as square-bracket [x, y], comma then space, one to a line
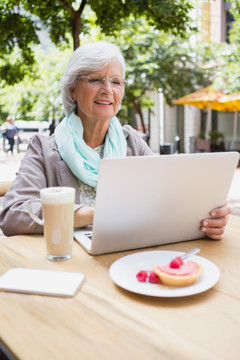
[105, 322]
[4, 186]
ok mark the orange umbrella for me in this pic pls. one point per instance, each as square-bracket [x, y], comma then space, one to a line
[232, 103]
[207, 98]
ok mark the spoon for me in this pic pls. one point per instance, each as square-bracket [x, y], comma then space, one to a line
[190, 253]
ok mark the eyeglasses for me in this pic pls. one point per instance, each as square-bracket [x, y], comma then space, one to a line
[97, 81]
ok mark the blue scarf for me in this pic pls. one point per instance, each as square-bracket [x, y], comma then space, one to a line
[82, 160]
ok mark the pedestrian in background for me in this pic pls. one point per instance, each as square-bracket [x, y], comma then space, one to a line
[9, 130]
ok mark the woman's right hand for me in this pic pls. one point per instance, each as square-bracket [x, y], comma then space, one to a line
[84, 216]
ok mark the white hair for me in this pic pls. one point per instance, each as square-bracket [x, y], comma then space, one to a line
[86, 58]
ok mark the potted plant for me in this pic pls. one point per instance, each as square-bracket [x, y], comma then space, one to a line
[202, 143]
[217, 141]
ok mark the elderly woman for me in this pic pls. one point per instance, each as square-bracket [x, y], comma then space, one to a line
[92, 92]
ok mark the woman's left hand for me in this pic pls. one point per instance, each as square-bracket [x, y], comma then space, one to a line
[214, 226]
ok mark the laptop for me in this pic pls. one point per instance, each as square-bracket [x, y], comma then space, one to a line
[154, 200]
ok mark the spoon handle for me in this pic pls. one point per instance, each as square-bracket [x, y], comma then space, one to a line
[190, 253]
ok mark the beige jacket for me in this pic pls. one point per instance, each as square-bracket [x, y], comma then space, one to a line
[41, 167]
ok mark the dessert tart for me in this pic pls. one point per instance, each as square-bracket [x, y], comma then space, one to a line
[178, 273]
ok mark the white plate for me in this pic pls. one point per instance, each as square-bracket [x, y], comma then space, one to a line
[123, 273]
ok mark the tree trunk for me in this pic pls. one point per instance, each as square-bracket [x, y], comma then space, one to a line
[76, 27]
[76, 24]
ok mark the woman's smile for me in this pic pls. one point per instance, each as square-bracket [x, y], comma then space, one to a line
[103, 102]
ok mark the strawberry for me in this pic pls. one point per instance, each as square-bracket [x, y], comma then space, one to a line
[176, 262]
[153, 278]
[142, 276]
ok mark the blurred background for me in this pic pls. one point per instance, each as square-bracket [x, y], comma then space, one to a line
[172, 49]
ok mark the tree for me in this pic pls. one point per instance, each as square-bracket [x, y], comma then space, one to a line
[18, 33]
[158, 60]
[37, 97]
[20, 21]
[154, 60]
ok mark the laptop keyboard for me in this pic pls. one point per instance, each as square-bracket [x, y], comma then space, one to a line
[88, 235]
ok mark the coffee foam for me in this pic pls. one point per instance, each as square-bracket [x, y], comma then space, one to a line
[57, 195]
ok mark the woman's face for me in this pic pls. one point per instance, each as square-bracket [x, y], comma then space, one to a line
[98, 101]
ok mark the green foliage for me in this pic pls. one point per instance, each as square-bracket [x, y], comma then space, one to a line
[20, 20]
[18, 33]
[37, 97]
[227, 78]
[53, 15]
[215, 135]
[156, 60]
[166, 15]
[202, 135]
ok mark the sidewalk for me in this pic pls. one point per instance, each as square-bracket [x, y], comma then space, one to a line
[10, 164]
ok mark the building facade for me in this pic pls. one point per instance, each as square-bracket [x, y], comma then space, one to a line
[184, 122]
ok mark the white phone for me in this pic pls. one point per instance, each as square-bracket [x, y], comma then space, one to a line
[42, 282]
